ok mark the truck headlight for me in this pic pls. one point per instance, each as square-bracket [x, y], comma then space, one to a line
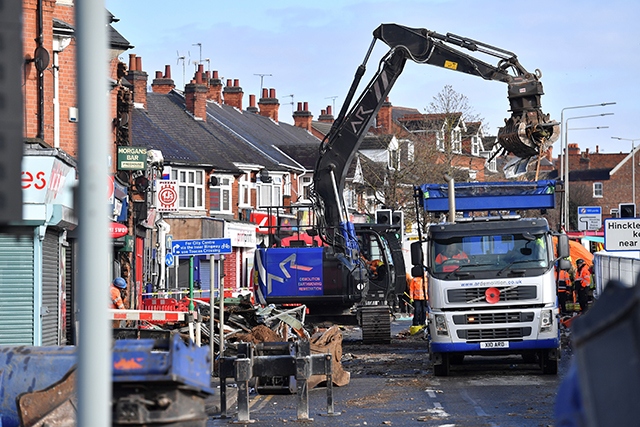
[441, 324]
[546, 320]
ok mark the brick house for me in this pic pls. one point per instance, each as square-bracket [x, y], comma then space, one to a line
[38, 254]
[598, 179]
[232, 166]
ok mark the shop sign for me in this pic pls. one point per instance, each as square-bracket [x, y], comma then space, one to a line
[132, 158]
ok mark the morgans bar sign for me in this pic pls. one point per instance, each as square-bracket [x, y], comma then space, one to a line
[132, 158]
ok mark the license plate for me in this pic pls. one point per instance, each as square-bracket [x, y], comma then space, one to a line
[494, 344]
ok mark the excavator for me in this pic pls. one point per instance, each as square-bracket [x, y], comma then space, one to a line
[332, 279]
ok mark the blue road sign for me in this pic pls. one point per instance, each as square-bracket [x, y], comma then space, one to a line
[201, 247]
[168, 259]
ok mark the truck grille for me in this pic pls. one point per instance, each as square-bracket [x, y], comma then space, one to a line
[493, 334]
[518, 293]
[491, 318]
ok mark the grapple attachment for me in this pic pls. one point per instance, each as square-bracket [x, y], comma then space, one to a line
[528, 132]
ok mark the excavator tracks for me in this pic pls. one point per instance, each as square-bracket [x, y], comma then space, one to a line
[375, 322]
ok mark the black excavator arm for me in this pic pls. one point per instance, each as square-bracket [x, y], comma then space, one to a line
[528, 132]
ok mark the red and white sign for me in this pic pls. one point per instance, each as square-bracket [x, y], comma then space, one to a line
[266, 223]
[117, 229]
[167, 195]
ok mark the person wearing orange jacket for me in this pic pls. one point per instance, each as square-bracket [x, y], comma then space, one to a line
[563, 280]
[418, 294]
[582, 284]
[115, 292]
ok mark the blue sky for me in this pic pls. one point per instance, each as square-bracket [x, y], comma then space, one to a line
[588, 52]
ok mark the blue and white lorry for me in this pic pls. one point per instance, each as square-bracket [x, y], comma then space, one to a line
[498, 295]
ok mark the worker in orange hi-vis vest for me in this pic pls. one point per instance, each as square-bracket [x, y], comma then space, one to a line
[418, 294]
[582, 284]
[563, 280]
[115, 292]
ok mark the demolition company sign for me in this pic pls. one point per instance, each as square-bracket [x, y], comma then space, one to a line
[166, 195]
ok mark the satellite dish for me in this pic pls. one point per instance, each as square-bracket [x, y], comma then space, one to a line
[492, 295]
[41, 58]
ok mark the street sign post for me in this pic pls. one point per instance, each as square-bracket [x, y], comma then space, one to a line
[622, 234]
[589, 218]
[201, 247]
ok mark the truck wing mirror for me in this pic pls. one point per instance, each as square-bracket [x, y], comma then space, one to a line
[563, 246]
[417, 257]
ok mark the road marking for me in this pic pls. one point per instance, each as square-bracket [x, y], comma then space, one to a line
[473, 403]
[261, 402]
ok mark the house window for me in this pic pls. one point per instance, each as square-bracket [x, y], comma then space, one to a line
[190, 188]
[492, 165]
[440, 140]
[244, 191]
[410, 151]
[394, 159]
[305, 183]
[456, 142]
[270, 194]
[220, 196]
[597, 189]
[475, 146]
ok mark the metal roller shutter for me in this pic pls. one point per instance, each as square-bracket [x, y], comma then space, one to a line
[16, 290]
[50, 278]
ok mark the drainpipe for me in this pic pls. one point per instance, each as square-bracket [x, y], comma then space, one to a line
[41, 64]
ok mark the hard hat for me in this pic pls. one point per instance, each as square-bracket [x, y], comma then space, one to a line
[580, 261]
[119, 282]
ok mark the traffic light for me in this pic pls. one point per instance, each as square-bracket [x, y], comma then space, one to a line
[11, 137]
[383, 216]
[627, 210]
[397, 218]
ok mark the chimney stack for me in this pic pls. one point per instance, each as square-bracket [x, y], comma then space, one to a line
[163, 83]
[233, 94]
[138, 80]
[302, 117]
[195, 96]
[384, 117]
[252, 105]
[269, 104]
[215, 88]
[326, 116]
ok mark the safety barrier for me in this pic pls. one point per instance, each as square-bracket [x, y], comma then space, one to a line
[301, 366]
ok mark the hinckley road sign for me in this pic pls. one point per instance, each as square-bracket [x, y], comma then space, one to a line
[589, 218]
[622, 234]
[201, 247]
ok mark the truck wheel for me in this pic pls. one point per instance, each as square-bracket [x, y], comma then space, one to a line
[443, 369]
[549, 365]
[457, 359]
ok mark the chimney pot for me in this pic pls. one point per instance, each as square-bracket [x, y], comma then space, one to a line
[138, 63]
[306, 106]
[236, 82]
[229, 82]
[158, 74]
[272, 93]
[167, 71]
[132, 62]
[265, 92]
[215, 74]
[299, 106]
[329, 109]
[252, 100]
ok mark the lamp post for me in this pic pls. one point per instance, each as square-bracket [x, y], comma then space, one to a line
[564, 166]
[566, 161]
[633, 162]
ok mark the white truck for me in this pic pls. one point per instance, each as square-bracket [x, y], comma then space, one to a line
[497, 294]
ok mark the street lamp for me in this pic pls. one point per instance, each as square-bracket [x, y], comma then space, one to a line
[564, 166]
[633, 162]
[565, 222]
